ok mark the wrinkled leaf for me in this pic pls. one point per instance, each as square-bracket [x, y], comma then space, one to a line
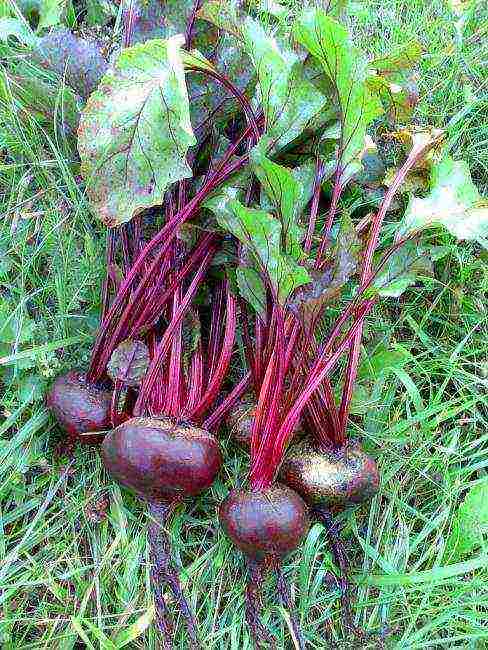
[135, 131]
[75, 59]
[404, 268]
[129, 363]
[453, 203]
[470, 524]
[346, 68]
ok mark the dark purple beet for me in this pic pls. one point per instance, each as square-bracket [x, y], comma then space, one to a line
[79, 407]
[270, 522]
[161, 459]
[330, 477]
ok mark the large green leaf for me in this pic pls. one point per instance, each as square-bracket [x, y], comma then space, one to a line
[135, 131]
[289, 101]
[347, 70]
[469, 528]
[453, 202]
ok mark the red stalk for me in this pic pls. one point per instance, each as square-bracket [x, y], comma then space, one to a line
[416, 154]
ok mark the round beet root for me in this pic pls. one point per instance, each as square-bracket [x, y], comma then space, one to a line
[79, 406]
[330, 478]
[161, 459]
[270, 522]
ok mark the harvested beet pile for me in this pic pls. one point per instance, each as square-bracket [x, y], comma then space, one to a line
[253, 228]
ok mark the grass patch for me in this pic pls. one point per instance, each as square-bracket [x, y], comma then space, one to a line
[73, 555]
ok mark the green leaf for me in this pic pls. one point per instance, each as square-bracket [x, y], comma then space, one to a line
[288, 99]
[403, 57]
[347, 70]
[453, 203]
[470, 524]
[404, 268]
[18, 28]
[262, 234]
[100, 12]
[135, 131]
[283, 190]
[251, 287]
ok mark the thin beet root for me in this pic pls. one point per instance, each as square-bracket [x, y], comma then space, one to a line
[286, 599]
[163, 572]
[340, 558]
[80, 407]
[259, 633]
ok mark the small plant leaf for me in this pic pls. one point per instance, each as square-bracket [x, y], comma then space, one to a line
[347, 70]
[262, 234]
[135, 131]
[129, 363]
[288, 99]
[469, 528]
[251, 287]
[453, 202]
[402, 58]
[75, 59]
[405, 267]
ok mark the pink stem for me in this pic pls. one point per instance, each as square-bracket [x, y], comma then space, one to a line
[416, 154]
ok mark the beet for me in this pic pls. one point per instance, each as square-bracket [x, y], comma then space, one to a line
[240, 422]
[161, 459]
[330, 477]
[79, 406]
[270, 522]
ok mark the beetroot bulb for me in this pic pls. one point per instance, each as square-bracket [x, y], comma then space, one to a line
[166, 453]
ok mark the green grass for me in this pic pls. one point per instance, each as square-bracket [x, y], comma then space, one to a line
[73, 554]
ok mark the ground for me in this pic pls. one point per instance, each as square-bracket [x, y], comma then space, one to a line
[74, 569]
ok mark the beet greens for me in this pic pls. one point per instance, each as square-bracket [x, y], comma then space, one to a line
[225, 154]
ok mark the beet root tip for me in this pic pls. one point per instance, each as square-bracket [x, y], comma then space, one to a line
[266, 523]
[161, 459]
[79, 406]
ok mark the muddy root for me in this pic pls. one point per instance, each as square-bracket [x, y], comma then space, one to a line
[260, 635]
[163, 571]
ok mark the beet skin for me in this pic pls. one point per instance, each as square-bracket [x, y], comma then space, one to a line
[330, 477]
[79, 407]
[161, 459]
[270, 522]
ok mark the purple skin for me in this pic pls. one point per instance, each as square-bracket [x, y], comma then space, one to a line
[330, 478]
[265, 524]
[160, 459]
[80, 407]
